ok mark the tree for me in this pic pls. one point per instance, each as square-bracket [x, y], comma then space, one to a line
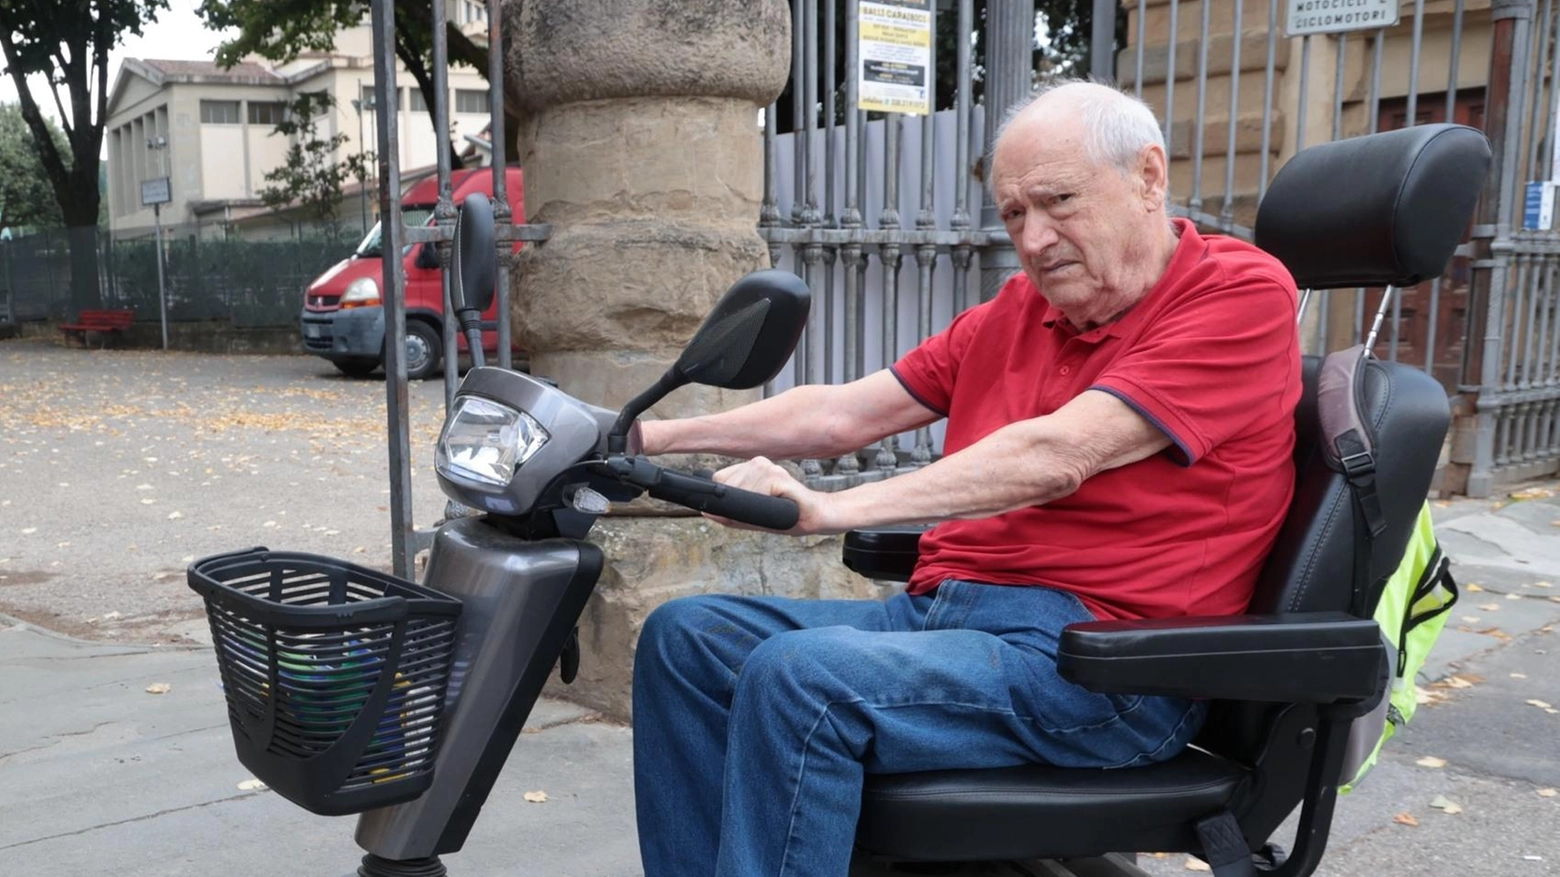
[68, 43]
[311, 176]
[26, 198]
[280, 29]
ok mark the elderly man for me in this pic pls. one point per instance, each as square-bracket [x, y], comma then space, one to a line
[1118, 446]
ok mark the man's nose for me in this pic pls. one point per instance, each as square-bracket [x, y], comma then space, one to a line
[1038, 235]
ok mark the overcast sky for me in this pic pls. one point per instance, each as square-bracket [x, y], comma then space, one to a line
[177, 35]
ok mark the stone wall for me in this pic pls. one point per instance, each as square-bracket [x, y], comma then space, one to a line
[642, 150]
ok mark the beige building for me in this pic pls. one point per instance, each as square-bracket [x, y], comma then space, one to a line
[211, 131]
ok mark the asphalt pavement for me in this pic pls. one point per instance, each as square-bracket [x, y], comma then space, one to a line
[101, 775]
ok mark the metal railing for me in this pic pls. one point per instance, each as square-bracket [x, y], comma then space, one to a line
[404, 538]
[884, 216]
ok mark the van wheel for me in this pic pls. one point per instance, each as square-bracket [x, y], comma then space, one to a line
[356, 368]
[424, 350]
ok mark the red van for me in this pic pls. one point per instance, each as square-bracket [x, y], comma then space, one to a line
[343, 316]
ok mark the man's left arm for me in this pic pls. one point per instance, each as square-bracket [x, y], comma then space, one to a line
[1026, 463]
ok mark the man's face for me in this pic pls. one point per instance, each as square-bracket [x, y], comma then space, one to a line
[1081, 230]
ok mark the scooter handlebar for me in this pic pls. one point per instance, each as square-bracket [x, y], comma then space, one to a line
[706, 495]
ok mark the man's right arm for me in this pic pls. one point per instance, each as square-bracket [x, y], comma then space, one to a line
[813, 421]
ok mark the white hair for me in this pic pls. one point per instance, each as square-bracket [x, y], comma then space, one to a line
[1117, 126]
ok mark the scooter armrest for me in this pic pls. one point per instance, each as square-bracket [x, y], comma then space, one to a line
[1303, 657]
[884, 553]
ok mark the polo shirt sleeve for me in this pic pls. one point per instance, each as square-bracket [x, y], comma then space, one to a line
[1211, 366]
[928, 372]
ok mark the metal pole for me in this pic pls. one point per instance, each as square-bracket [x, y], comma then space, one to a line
[1102, 41]
[162, 293]
[1227, 209]
[1305, 83]
[1413, 66]
[960, 222]
[1175, 39]
[850, 220]
[1142, 33]
[503, 217]
[444, 210]
[1267, 99]
[394, 289]
[1451, 73]
[1010, 26]
[891, 254]
[1508, 70]
[362, 181]
[1198, 123]
[926, 253]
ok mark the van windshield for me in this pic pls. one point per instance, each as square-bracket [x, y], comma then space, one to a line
[372, 247]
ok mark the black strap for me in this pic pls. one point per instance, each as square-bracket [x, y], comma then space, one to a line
[1359, 467]
[1224, 846]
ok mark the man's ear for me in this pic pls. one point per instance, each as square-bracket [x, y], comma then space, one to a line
[1153, 176]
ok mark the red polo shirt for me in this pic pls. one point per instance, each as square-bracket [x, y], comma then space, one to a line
[1211, 357]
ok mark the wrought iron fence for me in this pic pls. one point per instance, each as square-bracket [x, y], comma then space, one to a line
[252, 284]
[883, 215]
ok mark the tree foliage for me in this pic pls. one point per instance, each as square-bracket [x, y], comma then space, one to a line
[26, 198]
[311, 176]
[68, 43]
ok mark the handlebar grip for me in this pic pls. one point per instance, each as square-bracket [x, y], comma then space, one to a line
[703, 494]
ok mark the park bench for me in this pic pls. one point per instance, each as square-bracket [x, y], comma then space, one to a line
[102, 322]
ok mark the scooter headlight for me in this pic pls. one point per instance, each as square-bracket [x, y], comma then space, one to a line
[485, 441]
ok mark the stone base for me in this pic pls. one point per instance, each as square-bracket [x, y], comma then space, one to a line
[652, 560]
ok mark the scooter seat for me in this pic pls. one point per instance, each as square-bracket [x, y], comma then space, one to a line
[1039, 810]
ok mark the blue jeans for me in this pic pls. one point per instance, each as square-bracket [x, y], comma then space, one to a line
[755, 718]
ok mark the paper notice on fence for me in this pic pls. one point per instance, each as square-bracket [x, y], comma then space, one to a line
[896, 56]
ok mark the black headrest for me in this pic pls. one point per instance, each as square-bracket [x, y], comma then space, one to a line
[1381, 210]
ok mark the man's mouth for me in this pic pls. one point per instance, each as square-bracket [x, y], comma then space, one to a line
[1056, 266]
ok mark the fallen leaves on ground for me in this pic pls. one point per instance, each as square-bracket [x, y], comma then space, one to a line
[1194, 864]
[1548, 793]
[1473, 587]
[1538, 703]
[1489, 607]
[1405, 819]
[159, 688]
[252, 785]
[537, 797]
[1431, 761]
[1446, 805]
[1533, 493]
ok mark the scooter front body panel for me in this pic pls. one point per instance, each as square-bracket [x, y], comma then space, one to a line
[521, 600]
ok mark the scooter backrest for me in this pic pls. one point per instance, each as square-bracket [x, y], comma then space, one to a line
[1380, 210]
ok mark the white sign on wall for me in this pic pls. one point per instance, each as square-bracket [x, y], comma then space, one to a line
[896, 56]
[1303, 17]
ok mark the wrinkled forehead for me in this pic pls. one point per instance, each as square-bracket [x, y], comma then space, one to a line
[1040, 154]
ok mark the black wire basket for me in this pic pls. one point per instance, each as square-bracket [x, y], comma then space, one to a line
[335, 675]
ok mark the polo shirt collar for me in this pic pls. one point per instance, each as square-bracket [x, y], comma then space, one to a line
[1190, 249]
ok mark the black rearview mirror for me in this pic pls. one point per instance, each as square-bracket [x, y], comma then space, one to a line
[750, 334]
[743, 342]
[476, 260]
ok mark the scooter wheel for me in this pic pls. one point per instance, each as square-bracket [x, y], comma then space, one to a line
[374, 866]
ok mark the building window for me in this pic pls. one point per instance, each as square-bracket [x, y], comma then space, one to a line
[267, 112]
[471, 101]
[369, 102]
[219, 112]
[418, 104]
[473, 11]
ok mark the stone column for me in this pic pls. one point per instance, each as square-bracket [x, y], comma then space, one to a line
[642, 148]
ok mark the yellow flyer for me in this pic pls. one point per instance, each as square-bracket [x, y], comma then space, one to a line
[896, 56]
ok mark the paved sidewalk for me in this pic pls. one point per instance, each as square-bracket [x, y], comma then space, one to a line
[100, 777]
